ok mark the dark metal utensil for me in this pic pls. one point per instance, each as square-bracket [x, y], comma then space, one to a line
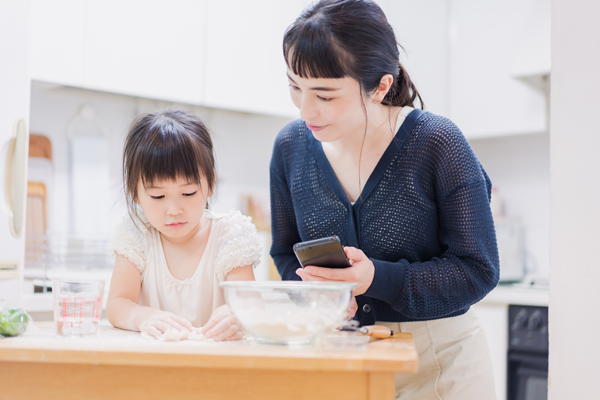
[376, 331]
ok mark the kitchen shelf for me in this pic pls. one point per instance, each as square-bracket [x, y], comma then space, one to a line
[9, 274]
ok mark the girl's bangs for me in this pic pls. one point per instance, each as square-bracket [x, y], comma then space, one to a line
[168, 158]
[309, 52]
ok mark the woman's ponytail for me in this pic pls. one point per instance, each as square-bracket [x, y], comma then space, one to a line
[403, 91]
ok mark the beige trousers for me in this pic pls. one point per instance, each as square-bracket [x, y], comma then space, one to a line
[454, 360]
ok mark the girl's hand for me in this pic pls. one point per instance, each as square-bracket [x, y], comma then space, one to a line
[222, 325]
[352, 309]
[159, 321]
[361, 271]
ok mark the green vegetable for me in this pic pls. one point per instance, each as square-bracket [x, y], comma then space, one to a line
[13, 322]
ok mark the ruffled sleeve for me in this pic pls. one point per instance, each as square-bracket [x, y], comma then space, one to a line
[131, 241]
[239, 244]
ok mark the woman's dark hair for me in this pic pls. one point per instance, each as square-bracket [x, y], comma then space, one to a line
[166, 145]
[339, 38]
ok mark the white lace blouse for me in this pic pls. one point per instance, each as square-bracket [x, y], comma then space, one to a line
[232, 242]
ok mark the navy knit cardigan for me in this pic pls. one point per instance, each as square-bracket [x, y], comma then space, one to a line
[423, 218]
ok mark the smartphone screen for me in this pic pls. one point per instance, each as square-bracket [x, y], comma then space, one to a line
[326, 252]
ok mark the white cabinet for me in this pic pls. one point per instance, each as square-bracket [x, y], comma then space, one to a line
[145, 48]
[14, 105]
[151, 49]
[485, 39]
[465, 56]
[493, 314]
[421, 29]
[203, 52]
[468, 59]
[494, 318]
[245, 69]
[57, 41]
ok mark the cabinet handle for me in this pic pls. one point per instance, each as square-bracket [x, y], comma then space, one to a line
[15, 176]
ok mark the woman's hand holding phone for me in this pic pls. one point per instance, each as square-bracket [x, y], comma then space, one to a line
[361, 271]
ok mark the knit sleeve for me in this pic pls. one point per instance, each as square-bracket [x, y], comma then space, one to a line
[468, 267]
[239, 244]
[131, 241]
[284, 229]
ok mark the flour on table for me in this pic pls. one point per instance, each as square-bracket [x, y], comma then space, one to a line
[173, 335]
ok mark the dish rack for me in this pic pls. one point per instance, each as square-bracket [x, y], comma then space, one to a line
[63, 251]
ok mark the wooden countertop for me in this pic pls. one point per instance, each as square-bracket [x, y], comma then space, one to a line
[116, 347]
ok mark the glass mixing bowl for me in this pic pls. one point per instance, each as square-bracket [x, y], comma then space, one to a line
[288, 312]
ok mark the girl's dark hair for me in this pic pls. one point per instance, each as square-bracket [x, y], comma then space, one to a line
[166, 145]
[339, 38]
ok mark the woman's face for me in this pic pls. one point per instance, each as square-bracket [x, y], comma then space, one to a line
[331, 108]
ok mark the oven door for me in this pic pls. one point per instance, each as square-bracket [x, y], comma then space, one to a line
[527, 377]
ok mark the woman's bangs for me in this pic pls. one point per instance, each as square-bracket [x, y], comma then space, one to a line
[309, 52]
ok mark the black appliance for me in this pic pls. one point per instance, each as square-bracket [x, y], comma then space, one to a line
[527, 353]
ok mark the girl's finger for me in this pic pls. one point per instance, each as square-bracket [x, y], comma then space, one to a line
[212, 321]
[160, 325]
[183, 322]
[170, 321]
[219, 328]
[227, 333]
[152, 331]
[237, 336]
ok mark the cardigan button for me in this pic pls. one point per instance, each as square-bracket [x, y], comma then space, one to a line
[367, 308]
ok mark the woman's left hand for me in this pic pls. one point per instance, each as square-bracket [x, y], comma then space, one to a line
[361, 271]
[222, 325]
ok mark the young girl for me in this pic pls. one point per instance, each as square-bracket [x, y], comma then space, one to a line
[399, 186]
[171, 252]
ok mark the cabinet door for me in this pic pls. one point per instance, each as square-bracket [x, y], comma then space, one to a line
[245, 69]
[14, 105]
[145, 48]
[485, 99]
[57, 41]
[421, 29]
[494, 318]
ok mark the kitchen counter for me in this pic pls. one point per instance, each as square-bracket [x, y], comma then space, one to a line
[518, 295]
[120, 364]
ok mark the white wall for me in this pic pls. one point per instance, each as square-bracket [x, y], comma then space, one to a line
[243, 144]
[519, 167]
[14, 104]
[575, 205]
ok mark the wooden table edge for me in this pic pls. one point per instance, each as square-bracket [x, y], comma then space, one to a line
[217, 361]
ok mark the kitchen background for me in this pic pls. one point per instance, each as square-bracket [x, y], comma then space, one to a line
[95, 65]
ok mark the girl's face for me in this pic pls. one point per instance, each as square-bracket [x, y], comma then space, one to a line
[331, 108]
[174, 208]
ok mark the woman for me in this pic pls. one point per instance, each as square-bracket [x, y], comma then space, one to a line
[399, 186]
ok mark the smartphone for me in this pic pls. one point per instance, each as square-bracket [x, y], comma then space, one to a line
[325, 252]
